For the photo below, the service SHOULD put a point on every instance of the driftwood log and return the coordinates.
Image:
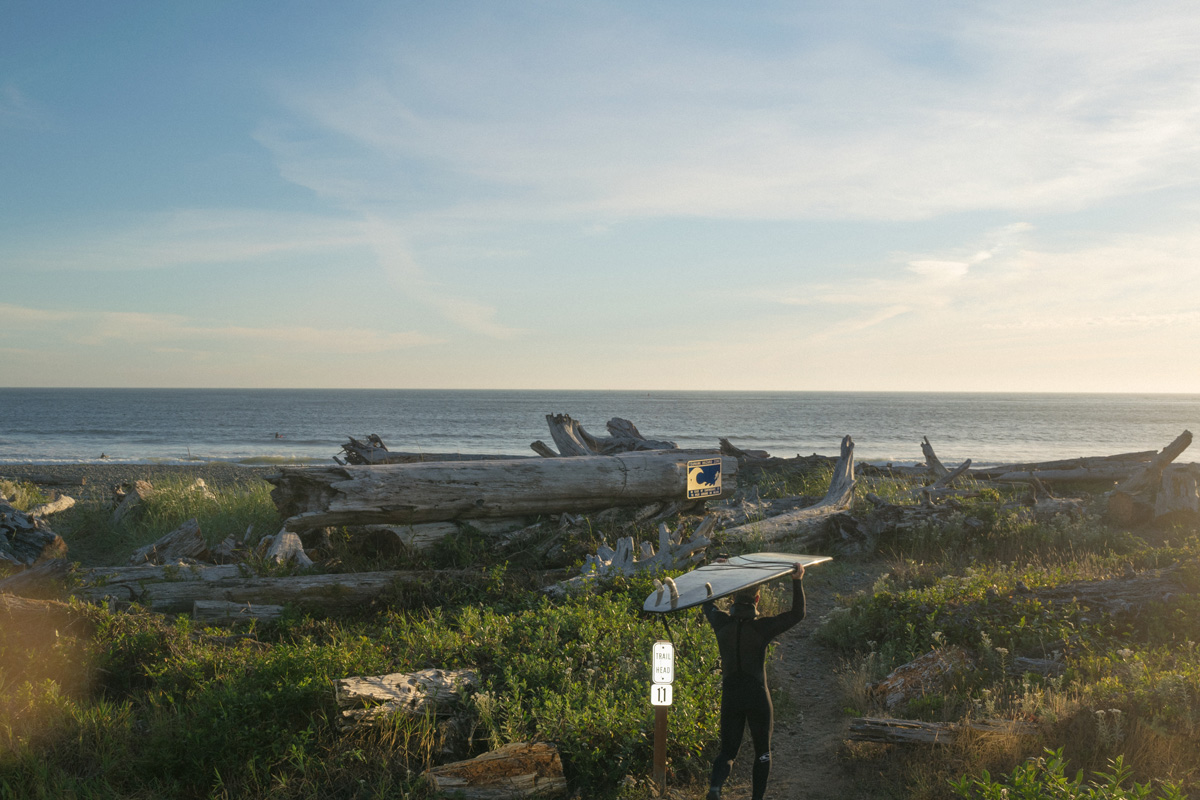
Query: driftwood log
(374, 451)
(175, 589)
(521, 769)
(925, 674)
(907, 731)
(807, 524)
(25, 539)
(402, 494)
(57, 503)
(183, 542)
(1096, 469)
(43, 580)
(1135, 499)
(1179, 493)
(26, 622)
(436, 692)
(224, 612)
(572, 440)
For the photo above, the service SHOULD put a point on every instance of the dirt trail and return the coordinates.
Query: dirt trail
(810, 722)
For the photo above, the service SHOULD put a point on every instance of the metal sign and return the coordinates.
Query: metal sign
(660, 694)
(703, 478)
(662, 663)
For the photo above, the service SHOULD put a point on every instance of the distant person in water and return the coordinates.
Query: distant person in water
(742, 638)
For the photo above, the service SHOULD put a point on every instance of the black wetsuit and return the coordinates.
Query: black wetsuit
(745, 698)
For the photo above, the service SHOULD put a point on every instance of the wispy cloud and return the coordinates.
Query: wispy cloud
(1041, 110)
(163, 332)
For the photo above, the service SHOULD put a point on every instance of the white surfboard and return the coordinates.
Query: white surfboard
(717, 580)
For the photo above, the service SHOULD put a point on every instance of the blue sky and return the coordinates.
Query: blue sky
(767, 196)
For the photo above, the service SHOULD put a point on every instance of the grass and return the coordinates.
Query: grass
(146, 706)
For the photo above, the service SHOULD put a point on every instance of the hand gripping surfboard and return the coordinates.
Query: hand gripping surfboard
(713, 581)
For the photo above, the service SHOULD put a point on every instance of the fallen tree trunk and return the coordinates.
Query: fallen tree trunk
(1096, 466)
(572, 440)
(25, 622)
(907, 731)
(516, 770)
(224, 612)
(1136, 498)
(1129, 593)
(436, 692)
(806, 524)
(60, 502)
(401, 494)
(183, 542)
(42, 581)
(374, 451)
(175, 590)
(26, 540)
(1179, 494)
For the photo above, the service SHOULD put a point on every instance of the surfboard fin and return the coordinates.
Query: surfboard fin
(658, 585)
(708, 588)
(674, 591)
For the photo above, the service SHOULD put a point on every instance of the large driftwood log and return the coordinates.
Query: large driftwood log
(374, 451)
(224, 612)
(183, 542)
(25, 622)
(175, 589)
(516, 770)
(907, 731)
(41, 581)
(59, 502)
(436, 692)
(1093, 468)
(1179, 493)
(1135, 499)
(401, 494)
(26, 540)
(1126, 594)
(572, 440)
(806, 524)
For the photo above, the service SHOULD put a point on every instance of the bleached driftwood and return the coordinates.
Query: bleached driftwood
(1135, 499)
(673, 553)
(1092, 468)
(183, 542)
(925, 674)
(520, 769)
(26, 540)
(60, 502)
(284, 548)
(436, 692)
(176, 588)
(572, 440)
(402, 494)
(807, 523)
(907, 731)
(427, 534)
(129, 499)
(224, 612)
(1179, 493)
(374, 451)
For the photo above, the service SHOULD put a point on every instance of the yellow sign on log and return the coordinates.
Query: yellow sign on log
(703, 478)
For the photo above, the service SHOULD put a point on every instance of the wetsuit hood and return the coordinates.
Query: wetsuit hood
(743, 611)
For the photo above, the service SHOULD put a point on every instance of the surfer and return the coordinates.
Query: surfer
(742, 638)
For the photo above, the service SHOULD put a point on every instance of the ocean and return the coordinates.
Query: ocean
(265, 426)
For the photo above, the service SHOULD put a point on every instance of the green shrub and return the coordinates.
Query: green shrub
(1044, 778)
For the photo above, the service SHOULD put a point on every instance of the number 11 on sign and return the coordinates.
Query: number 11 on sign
(660, 694)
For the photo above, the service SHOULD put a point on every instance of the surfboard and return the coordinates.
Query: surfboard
(717, 580)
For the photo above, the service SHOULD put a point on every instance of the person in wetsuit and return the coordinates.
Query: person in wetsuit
(742, 638)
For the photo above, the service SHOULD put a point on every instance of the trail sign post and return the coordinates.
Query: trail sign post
(662, 675)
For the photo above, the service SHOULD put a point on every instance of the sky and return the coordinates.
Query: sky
(987, 196)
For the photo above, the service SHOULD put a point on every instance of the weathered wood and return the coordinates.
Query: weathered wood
(285, 548)
(516, 770)
(925, 674)
(907, 731)
(41, 581)
(1126, 594)
(673, 553)
(932, 463)
(26, 622)
(223, 612)
(1135, 499)
(175, 589)
(26, 540)
(427, 534)
(374, 451)
(807, 523)
(572, 440)
(183, 542)
(436, 692)
(439, 492)
(1179, 493)
(131, 499)
(60, 502)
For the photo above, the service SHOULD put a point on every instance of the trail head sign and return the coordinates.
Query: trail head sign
(662, 663)
(703, 478)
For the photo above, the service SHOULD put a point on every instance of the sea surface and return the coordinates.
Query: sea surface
(264, 426)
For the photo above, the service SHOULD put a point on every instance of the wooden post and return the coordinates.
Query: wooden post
(660, 748)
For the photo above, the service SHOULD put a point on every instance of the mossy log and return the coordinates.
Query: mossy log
(403, 494)
(520, 769)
